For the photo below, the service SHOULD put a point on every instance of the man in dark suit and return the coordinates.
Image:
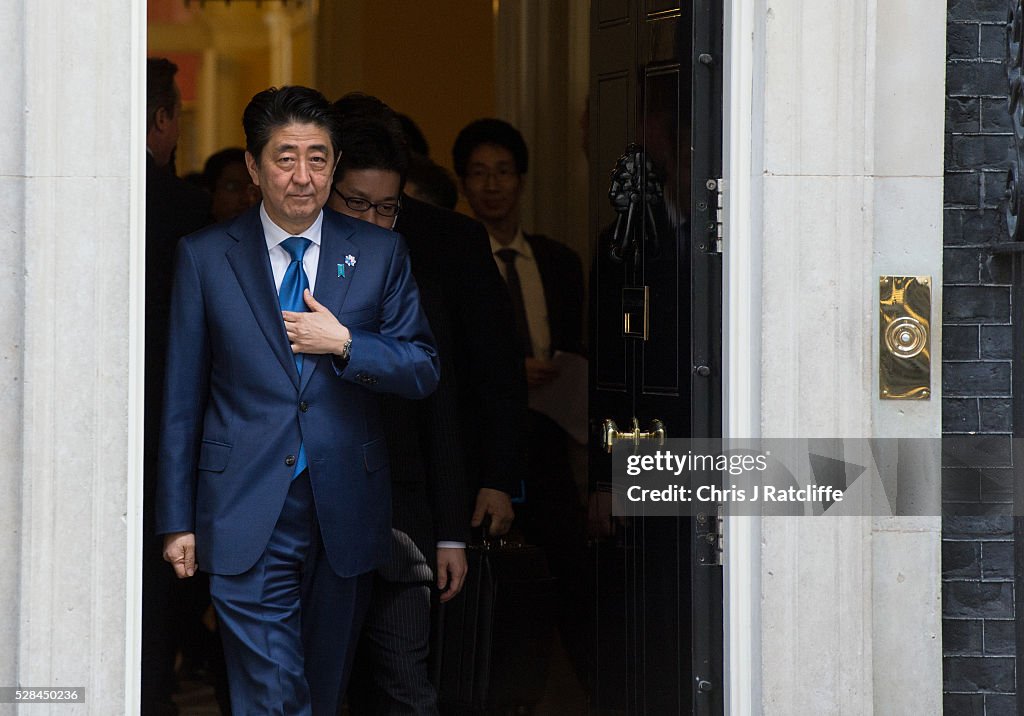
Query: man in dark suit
(491, 381)
(391, 672)
(273, 467)
(173, 208)
(545, 283)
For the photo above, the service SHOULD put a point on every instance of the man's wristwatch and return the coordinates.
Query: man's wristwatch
(346, 350)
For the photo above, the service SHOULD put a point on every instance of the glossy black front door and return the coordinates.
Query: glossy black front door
(655, 118)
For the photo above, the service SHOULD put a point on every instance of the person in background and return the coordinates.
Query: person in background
(429, 495)
(488, 366)
(450, 252)
(414, 137)
(430, 182)
(544, 279)
(227, 179)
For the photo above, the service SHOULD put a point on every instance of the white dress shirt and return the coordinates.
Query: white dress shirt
(533, 292)
(279, 256)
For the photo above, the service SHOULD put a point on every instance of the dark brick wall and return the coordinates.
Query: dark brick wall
(979, 632)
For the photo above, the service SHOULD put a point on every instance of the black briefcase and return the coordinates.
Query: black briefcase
(493, 639)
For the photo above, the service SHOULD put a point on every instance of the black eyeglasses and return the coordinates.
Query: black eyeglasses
(356, 203)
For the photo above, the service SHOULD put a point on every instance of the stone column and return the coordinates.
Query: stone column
(848, 110)
(12, 330)
(72, 129)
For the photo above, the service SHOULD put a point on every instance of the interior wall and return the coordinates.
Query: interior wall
(433, 61)
(444, 63)
(226, 53)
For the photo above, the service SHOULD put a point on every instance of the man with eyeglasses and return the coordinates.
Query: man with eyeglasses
(481, 388)
(358, 206)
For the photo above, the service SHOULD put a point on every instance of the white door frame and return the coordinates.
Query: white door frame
(137, 37)
(741, 290)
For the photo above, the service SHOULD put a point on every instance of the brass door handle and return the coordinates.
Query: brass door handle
(611, 433)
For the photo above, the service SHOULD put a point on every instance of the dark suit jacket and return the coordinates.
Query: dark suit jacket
(561, 274)
(454, 250)
(552, 516)
(236, 410)
(428, 473)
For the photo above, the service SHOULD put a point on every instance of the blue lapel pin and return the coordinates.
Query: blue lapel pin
(341, 270)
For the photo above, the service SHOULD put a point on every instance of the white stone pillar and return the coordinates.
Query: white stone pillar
(844, 184)
(12, 331)
(909, 122)
(73, 146)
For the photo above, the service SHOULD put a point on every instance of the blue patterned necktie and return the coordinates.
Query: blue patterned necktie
(293, 285)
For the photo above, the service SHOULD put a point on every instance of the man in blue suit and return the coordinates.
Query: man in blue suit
(273, 468)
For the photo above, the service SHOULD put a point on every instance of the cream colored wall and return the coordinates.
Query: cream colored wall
(448, 62)
(244, 48)
(444, 63)
(433, 61)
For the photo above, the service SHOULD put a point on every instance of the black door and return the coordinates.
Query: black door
(655, 117)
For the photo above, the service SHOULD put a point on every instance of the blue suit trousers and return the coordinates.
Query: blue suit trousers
(290, 624)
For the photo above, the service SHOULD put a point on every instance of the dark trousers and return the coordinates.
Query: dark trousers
(390, 675)
(553, 517)
(289, 624)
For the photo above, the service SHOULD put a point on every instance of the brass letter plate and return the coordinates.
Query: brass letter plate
(636, 312)
(904, 337)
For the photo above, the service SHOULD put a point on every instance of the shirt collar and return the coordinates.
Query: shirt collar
(275, 234)
(519, 243)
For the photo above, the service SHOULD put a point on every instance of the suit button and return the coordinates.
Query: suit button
(304, 406)
(290, 460)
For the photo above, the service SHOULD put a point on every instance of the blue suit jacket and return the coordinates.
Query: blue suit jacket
(235, 407)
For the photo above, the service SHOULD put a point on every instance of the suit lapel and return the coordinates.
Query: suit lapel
(250, 261)
(337, 254)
